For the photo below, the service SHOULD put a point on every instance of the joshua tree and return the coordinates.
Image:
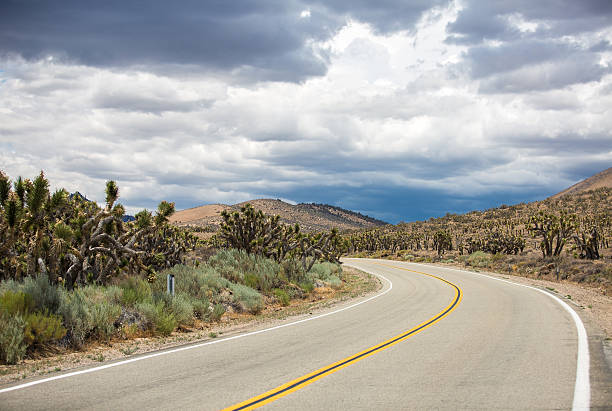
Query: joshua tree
(554, 229)
(74, 241)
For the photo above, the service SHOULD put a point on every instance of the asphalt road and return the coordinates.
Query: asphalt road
(482, 344)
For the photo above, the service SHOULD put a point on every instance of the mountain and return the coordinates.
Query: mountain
(311, 217)
(599, 180)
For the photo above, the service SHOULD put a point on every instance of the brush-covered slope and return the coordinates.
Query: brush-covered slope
(310, 217)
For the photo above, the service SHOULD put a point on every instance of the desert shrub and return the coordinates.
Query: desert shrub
(268, 273)
(158, 317)
(186, 279)
(321, 271)
(292, 270)
(148, 311)
(135, 290)
(213, 282)
(46, 296)
(104, 315)
(42, 328)
(479, 259)
(255, 271)
(76, 313)
(10, 285)
(282, 297)
(251, 280)
(324, 270)
(334, 281)
(200, 309)
(217, 312)
(12, 345)
(166, 322)
(113, 294)
(230, 264)
(247, 298)
(16, 303)
(307, 285)
(201, 282)
(182, 308)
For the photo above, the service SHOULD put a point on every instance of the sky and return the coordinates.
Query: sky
(402, 110)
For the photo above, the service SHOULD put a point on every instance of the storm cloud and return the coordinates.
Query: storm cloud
(401, 110)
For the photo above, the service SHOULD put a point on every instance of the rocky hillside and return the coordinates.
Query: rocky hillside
(311, 217)
(603, 179)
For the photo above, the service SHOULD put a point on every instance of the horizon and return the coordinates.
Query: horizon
(399, 112)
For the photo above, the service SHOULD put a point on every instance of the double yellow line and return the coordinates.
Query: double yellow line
(299, 383)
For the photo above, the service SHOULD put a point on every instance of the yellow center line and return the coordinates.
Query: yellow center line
(299, 383)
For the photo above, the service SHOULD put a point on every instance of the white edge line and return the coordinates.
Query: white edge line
(582, 388)
(190, 347)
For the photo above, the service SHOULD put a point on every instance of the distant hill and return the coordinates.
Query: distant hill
(311, 217)
(599, 180)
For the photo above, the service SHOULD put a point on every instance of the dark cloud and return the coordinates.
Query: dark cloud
(255, 40)
(147, 104)
(562, 146)
(384, 15)
(485, 60)
(220, 35)
(175, 102)
(530, 44)
(580, 68)
(394, 203)
(480, 20)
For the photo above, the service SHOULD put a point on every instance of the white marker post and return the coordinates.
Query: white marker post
(170, 284)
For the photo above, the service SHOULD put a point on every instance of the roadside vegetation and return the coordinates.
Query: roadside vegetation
(568, 238)
(74, 274)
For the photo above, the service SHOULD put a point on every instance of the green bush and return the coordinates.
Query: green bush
(282, 297)
(113, 294)
(200, 309)
(12, 345)
(292, 270)
(10, 285)
(46, 296)
(182, 309)
(166, 323)
(247, 298)
(307, 286)
(257, 272)
(201, 282)
(217, 312)
(325, 269)
(334, 281)
(230, 264)
(103, 317)
(135, 291)
(149, 312)
(479, 259)
(42, 328)
(76, 313)
(158, 317)
(251, 280)
(16, 303)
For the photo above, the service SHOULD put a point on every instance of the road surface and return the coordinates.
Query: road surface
(432, 338)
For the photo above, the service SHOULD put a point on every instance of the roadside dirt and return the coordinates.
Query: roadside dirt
(355, 284)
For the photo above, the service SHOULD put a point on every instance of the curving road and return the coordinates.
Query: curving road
(454, 340)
